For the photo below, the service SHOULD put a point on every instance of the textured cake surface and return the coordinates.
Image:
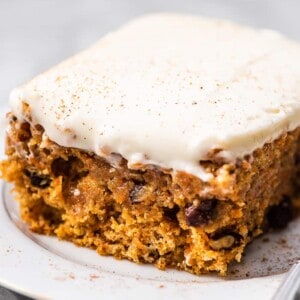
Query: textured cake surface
(173, 141)
(189, 84)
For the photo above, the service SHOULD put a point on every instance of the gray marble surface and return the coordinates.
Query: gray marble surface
(35, 34)
(6, 294)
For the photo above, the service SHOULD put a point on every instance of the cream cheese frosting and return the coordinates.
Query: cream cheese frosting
(167, 89)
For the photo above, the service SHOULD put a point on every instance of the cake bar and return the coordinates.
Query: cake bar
(172, 141)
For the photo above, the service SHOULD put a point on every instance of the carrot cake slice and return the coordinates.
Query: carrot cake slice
(173, 141)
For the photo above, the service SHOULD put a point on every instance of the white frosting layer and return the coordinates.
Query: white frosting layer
(166, 89)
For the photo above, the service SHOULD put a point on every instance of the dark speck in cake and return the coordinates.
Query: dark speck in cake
(279, 215)
(201, 214)
(37, 180)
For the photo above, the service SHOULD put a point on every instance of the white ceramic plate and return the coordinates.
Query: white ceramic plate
(43, 267)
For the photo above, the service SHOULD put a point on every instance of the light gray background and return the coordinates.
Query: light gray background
(35, 34)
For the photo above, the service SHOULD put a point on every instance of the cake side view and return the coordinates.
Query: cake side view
(172, 141)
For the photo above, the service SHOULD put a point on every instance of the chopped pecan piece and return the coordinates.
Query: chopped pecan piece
(225, 239)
